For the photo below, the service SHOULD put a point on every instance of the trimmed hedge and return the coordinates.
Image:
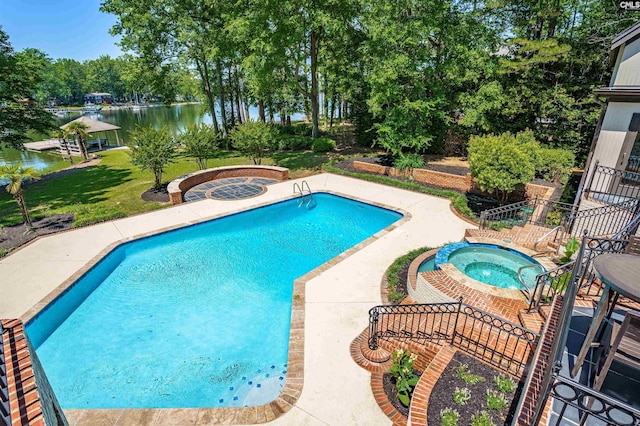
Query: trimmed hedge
(323, 145)
(458, 200)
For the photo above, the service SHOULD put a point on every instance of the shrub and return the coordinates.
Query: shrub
(504, 383)
(200, 142)
(449, 417)
(554, 164)
(253, 138)
(468, 377)
(294, 143)
(407, 162)
(495, 400)
(402, 369)
(153, 149)
(499, 163)
(323, 145)
(393, 273)
(461, 396)
(481, 419)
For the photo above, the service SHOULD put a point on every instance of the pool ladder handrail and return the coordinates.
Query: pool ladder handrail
(525, 288)
(305, 198)
(544, 237)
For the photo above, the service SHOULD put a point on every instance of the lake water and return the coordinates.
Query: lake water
(176, 117)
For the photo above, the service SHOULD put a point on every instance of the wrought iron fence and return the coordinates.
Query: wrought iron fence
(633, 165)
(580, 405)
(605, 220)
(499, 342)
(611, 186)
(536, 211)
(5, 411)
(549, 284)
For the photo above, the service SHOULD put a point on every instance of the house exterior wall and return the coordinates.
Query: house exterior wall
(612, 135)
(626, 71)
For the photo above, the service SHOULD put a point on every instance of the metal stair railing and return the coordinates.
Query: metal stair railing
(525, 287)
(549, 284)
(605, 220)
(501, 343)
(536, 211)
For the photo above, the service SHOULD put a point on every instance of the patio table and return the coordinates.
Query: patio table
(620, 274)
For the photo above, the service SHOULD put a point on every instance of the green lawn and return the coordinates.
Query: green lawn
(112, 188)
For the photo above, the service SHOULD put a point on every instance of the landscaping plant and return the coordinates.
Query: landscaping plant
(482, 419)
(199, 141)
(449, 417)
(461, 396)
(496, 400)
(15, 175)
(254, 139)
(402, 370)
(504, 383)
(153, 150)
(407, 162)
(468, 377)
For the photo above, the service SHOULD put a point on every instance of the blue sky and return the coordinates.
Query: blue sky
(61, 28)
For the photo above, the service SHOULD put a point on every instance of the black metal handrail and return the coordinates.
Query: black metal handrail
(589, 405)
(535, 211)
(501, 343)
(5, 410)
(610, 186)
(549, 284)
(605, 220)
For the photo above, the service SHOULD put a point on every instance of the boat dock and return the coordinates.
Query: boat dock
(40, 146)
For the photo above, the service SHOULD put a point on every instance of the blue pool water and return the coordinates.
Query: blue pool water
(490, 264)
(197, 317)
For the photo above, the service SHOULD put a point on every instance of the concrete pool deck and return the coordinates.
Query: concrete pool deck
(336, 390)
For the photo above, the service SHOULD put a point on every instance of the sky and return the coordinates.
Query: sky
(73, 29)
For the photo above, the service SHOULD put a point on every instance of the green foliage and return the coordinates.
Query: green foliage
(469, 378)
(505, 384)
(20, 75)
(396, 268)
(153, 150)
(407, 162)
(402, 369)
(199, 141)
(570, 248)
(461, 396)
(15, 175)
(554, 164)
(253, 138)
(323, 145)
(449, 417)
(499, 163)
(78, 130)
(458, 200)
(496, 400)
(294, 143)
(482, 419)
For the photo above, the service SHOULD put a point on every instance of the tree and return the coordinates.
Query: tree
(17, 174)
(499, 163)
(253, 138)
(19, 78)
(62, 136)
(153, 150)
(79, 131)
(200, 142)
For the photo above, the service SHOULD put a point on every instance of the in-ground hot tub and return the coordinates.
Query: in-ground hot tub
(491, 264)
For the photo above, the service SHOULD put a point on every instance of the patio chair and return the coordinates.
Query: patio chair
(625, 347)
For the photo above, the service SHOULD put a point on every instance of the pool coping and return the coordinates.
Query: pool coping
(295, 360)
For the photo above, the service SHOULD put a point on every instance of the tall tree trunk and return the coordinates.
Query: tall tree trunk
(340, 110)
(238, 94)
(325, 98)
(333, 107)
(261, 110)
(233, 115)
(223, 113)
(315, 105)
(203, 70)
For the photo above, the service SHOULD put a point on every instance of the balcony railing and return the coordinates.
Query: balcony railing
(5, 411)
(612, 186)
(536, 211)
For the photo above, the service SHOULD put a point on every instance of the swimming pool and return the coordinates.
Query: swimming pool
(197, 317)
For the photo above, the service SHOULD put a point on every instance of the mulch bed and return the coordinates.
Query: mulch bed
(442, 393)
(157, 195)
(389, 386)
(12, 237)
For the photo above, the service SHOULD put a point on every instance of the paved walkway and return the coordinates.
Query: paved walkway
(336, 390)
